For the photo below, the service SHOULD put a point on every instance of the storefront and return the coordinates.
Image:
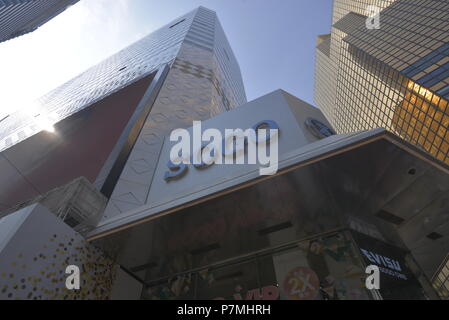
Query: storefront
(298, 235)
(335, 206)
(323, 268)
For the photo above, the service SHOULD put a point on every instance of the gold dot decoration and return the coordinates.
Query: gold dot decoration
(42, 276)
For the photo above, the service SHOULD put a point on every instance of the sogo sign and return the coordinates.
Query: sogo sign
(209, 148)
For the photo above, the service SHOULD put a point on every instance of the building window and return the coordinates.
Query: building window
(177, 23)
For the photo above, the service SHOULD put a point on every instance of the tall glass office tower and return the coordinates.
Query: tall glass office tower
(110, 120)
(396, 76)
(19, 17)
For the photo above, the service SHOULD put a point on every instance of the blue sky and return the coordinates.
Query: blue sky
(274, 41)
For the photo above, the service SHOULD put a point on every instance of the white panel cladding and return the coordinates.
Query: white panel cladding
(202, 83)
(34, 259)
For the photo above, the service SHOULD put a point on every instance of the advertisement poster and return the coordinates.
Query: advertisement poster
(396, 279)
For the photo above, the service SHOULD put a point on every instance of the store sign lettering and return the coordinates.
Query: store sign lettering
(386, 265)
(382, 260)
(210, 147)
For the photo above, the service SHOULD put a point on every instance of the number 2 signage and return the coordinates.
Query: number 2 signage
(301, 284)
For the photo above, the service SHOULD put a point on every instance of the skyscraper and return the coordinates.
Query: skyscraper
(104, 118)
(395, 76)
(19, 17)
(221, 231)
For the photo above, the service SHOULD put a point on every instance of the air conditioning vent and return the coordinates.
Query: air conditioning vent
(73, 217)
(275, 228)
(434, 236)
(144, 267)
(389, 217)
(177, 23)
(71, 221)
(205, 249)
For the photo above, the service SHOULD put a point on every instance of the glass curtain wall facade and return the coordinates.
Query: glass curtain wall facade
(201, 78)
(19, 17)
(193, 44)
(441, 280)
(396, 77)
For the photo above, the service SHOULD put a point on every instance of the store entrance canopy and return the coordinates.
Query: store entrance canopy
(371, 181)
